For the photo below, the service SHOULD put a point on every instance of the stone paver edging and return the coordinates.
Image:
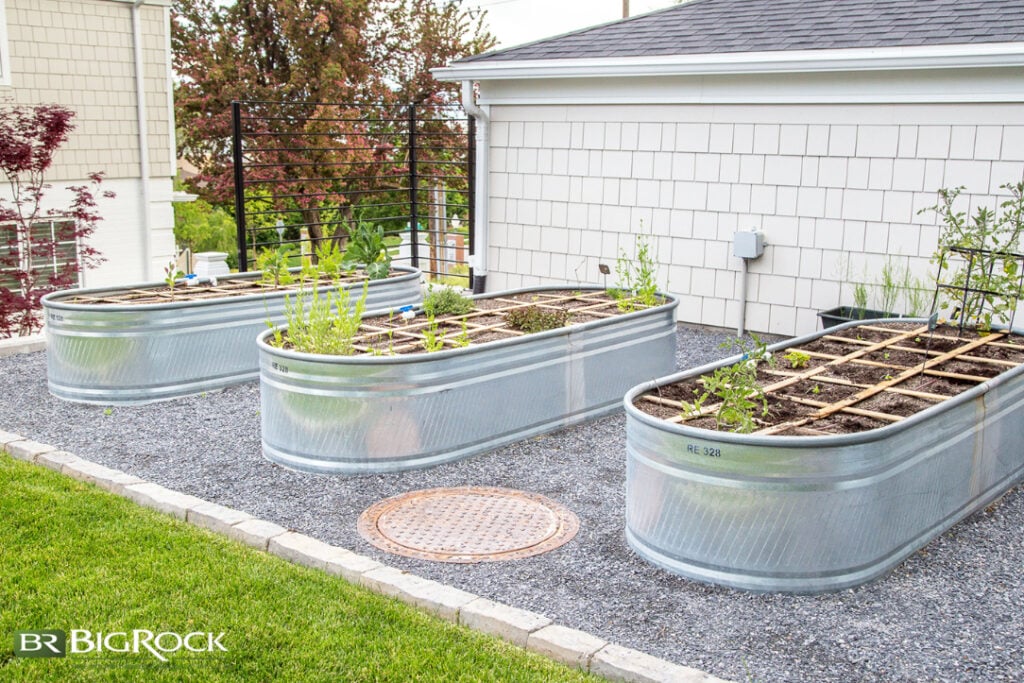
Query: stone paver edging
(528, 630)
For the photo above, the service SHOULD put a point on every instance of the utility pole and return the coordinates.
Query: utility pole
(625, 9)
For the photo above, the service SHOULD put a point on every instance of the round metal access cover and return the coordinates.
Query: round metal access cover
(468, 524)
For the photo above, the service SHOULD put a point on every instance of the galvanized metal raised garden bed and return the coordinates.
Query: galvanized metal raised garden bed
(123, 353)
(816, 513)
(365, 413)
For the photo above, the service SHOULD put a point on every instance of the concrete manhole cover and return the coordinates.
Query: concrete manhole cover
(468, 524)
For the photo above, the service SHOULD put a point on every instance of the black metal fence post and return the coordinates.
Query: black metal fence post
(414, 218)
(236, 156)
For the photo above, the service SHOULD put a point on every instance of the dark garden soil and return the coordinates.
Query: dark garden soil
(396, 335)
(860, 378)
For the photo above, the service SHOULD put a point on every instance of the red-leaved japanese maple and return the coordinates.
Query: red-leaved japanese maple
(29, 267)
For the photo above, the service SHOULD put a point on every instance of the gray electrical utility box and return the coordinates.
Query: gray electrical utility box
(748, 244)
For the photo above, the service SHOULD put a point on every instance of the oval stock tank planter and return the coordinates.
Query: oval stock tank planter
(797, 509)
(105, 351)
(383, 413)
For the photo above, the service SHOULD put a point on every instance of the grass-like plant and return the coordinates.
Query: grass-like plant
(123, 567)
(741, 399)
(446, 301)
(860, 300)
(322, 323)
(531, 319)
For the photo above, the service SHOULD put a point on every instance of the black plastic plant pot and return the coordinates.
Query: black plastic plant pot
(846, 314)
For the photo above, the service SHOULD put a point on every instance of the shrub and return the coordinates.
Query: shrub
(532, 319)
(31, 260)
(446, 301)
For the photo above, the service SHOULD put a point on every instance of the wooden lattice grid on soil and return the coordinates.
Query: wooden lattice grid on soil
(486, 322)
(226, 287)
(907, 359)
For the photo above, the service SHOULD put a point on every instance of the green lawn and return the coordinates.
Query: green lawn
(75, 557)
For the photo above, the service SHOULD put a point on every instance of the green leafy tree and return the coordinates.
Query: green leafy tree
(200, 226)
(374, 54)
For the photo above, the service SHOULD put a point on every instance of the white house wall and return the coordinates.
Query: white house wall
(81, 55)
(836, 190)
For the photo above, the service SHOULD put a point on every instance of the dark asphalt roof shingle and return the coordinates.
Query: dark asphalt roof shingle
(722, 26)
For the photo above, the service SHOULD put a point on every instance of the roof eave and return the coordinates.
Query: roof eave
(975, 55)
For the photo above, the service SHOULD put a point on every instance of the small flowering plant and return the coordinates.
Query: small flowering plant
(741, 400)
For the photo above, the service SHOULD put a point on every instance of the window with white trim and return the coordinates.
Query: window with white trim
(59, 231)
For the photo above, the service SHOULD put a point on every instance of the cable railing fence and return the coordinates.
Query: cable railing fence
(310, 173)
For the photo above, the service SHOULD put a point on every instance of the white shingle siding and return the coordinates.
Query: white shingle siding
(836, 190)
(80, 55)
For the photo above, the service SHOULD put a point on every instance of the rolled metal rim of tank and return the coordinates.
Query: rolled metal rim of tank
(671, 303)
(55, 299)
(805, 441)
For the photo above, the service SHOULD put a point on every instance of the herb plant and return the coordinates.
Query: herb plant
(274, 265)
(433, 338)
(741, 400)
(322, 324)
(171, 275)
(462, 340)
(532, 319)
(446, 301)
(797, 359)
(636, 286)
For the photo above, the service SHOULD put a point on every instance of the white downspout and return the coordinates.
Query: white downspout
(140, 97)
(741, 326)
(478, 261)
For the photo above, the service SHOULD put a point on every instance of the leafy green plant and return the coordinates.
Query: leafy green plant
(797, 359)
(367, 248)
(322, 324)
(531, 319)
(329, 260)
(446, 301)
(433, 338)
(984, 250)
(636, 285)
(741, 399)
(273, 263)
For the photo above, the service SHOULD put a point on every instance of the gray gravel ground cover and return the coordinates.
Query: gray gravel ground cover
(952, 612)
